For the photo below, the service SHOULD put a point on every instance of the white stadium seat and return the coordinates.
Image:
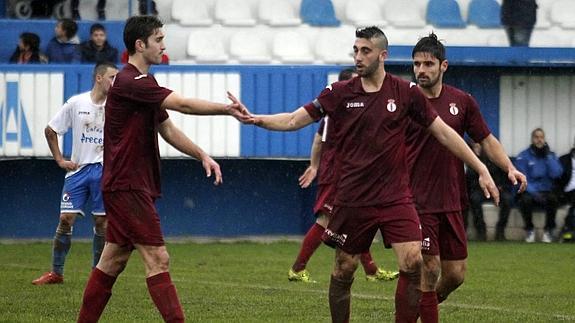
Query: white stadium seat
(335, 45)
(192, 13)
(563, 13)
(249, 47)
(363, 13)
(234, 13)
(291, 47)
(403, 14)
(206, 47)
(278, 13)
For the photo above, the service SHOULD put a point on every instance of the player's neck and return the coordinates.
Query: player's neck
(432, 92)
(140, 63)
(373, 82)
(97, 96)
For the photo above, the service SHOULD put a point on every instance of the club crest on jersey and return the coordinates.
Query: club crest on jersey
(65, 197)
(391, 106)
(355, 105)
(453, 109)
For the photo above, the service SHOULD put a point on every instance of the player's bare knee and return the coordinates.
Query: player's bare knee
(322, 220)
(66, 223)
(345, 265)
(412, 262)
(100, 225)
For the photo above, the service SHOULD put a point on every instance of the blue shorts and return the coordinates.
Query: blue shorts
(81, 186)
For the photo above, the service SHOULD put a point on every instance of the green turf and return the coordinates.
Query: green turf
(247, 282)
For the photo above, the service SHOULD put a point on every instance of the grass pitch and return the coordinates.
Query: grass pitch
(247, 282)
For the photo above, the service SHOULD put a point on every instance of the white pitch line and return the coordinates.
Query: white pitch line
(385, 298)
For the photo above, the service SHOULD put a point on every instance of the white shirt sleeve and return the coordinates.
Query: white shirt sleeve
(62, 121)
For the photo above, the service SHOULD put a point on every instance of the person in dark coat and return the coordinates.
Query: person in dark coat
(28, 50)
(518, 17)
(97, 49)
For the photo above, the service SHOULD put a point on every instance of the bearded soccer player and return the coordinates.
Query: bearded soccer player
(135, 114)
(321, 165)
(370, 115)
(84, 114)
(437, 177)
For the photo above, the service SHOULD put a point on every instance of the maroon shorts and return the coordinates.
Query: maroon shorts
(352, 229)
(324, 199)
(444, 235)
(132, 219)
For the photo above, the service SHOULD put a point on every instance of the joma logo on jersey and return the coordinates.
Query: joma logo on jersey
(355, 105)
(13, 125)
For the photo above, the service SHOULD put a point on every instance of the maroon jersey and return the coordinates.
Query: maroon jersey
(326, 162)
(133, 113)
(437, 177)
(370, 131)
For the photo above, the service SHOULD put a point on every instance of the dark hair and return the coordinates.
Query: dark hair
(372, 32)
(536, 130)
(102, 67)
(96, 27)
(69, 26)
(139, 27)
(32, 40)
(346, 74)
(431, 45)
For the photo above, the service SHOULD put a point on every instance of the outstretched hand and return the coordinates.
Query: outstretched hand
(307, 177)
(238, 110)
(489, 188)
(516, 177)
(210, 166)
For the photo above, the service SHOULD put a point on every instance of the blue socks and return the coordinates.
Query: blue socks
(62, 244)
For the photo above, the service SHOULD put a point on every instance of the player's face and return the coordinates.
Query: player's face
(367, 57)
(538, 139)
(154, 50)
(98, 37)
(428, 70)
(108, 79)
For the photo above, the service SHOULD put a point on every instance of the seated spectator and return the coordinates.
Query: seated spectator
(100, 7)
(63, 47)
(97, 49)
(28, 50)
(542, 168)
(124, 59)
(477, 198)
(567, 188)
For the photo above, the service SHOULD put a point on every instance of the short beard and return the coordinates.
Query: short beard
(369, 70)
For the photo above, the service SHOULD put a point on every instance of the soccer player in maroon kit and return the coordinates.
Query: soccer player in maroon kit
(437, 177)
(370, 115)
(135, 114)
(321, 161)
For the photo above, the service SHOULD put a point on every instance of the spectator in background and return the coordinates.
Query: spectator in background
(100, 7)
(542, 168)
(124, 59)
(567, 188)
(143, 8)
(97, 49)
(476, 197)
(28, 50)
(518, 17)
(63, 47)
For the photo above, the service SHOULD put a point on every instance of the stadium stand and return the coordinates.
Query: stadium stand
(292, 47)
(444, 14)
(562, 13)
(364, 13)
(234, 13)
(484, 13)
(332, 45)
(189, 13)
(206, 46)
(318, 13)
(278, 13)
(404, 14)
(249, 47)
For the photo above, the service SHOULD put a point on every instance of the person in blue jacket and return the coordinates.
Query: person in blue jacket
(542, 168)
(63, 47)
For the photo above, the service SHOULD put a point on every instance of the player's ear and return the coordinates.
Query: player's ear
(383, 55)
(444, 66)
(140, 45)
